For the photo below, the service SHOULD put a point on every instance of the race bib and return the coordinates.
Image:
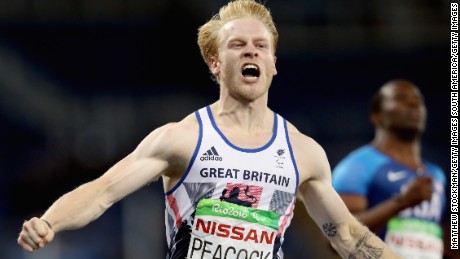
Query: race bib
(225, 230)
(415, 238)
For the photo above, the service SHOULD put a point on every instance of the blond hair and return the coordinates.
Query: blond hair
(208, 34)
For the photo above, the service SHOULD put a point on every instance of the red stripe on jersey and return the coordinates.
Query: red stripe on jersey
(286, 218)
(173, 204)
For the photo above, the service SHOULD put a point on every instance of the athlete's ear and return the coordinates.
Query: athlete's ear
(214, 66)
(275, 72)
(375, 119)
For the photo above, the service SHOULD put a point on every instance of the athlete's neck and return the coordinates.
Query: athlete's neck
(407, 153)
(254, 117)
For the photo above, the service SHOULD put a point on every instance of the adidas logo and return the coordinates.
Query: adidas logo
(211, 154)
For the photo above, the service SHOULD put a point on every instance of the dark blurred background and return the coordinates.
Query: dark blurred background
(83, 82)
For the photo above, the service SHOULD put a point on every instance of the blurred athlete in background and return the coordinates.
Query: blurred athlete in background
(387, 184)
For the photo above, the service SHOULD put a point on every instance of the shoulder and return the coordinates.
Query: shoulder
(310, 156)
(170, 140)
(355, 172)
(302, 143)
(364, 158)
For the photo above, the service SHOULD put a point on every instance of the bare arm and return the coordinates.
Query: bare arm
(375, 218)
(86, 203)
(349, 238)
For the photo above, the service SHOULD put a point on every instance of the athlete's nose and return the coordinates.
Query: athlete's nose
(250, 52)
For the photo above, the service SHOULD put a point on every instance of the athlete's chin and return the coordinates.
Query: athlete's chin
(248, 94)
(251, 96)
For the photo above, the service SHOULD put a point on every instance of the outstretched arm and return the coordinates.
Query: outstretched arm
(86, 203)
(349, 238)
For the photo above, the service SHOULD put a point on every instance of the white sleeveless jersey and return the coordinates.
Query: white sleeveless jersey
(264, 178)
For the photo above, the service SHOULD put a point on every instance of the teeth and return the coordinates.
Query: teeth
(249, 66)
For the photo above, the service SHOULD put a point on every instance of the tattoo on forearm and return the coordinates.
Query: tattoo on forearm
(329, 229)
(364, 250)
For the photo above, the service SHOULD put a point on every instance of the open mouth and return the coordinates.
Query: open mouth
(250, 70)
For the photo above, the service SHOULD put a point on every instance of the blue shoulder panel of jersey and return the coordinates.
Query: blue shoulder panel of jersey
(354, 173)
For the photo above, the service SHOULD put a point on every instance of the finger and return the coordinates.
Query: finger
(428, 191)
(24, 245)
(27, 242)
(30, 230)
(423, 181)
(41, 228)
(428, 196)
